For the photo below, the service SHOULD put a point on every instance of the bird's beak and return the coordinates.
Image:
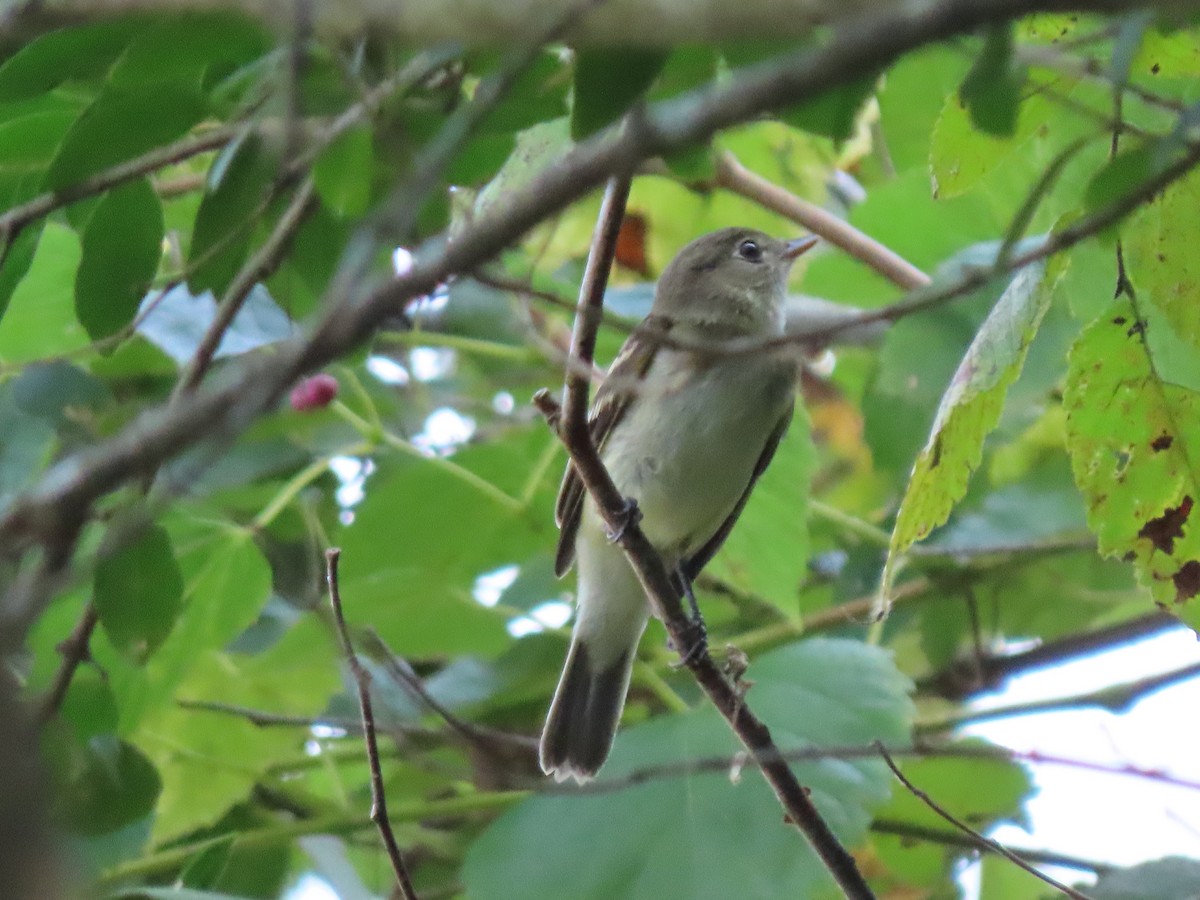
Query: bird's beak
(799, 246)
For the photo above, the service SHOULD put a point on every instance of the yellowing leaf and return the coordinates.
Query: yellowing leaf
(969, 410)
(1163, 254)
(1134, 440)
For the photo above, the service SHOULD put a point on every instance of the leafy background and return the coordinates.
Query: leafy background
(1015, 465)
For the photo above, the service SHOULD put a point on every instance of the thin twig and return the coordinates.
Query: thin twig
(261, 718)
(735, 177)
(1116, 698)
(954, 839)
(362, 678)
(16, 218)
(918, 750)
(402, 672)
(74, 652)
(265, 260)
(984, 843)
(648, 564)
(964, 677)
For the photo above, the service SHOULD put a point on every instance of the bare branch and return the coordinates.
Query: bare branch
(954, 839)
(965, 677)
(265, 260)
(74, 652)
(485, 22)
(735, 177)
(362, 678)
(984, 843)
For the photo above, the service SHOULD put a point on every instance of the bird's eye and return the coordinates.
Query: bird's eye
(749, 250)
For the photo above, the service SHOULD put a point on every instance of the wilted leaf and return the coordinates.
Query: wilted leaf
(970, 409)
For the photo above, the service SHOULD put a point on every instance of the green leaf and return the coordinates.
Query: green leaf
(1161, 260)
(26, 447)
(138, 593)
(992, 89)
(123, 123)
(27, 144)
(89, 704)
(111, 784)
(833, 113)
(210, 761)
(233, 203)
(629, 843)
(767, 552)
(1169, 878)
(40, 319)
(969, 410)
(64, 55)
(343, 173)
(415, 587)
(607, 82)
(961, 156)
(1134, 440)
(57, 390)
(538, 95)
(187, 46)
(122, 246)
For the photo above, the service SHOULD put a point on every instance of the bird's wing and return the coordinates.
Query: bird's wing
(612, 399)
(692, 565)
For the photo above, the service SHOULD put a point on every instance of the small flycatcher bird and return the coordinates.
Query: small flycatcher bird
(685, 435)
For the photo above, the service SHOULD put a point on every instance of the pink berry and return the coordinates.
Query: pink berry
(315, 392)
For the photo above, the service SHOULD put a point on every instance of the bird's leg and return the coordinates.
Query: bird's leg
(697, 630)
(630, 516)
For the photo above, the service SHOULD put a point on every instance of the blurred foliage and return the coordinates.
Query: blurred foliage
(208, 733)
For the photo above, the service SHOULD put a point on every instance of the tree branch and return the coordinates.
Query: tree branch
(1116, 698)
(362, 679)
(980, 841)
(954, 839)
(483, 22)
(969, 676)
(735, 177)
(265, 261)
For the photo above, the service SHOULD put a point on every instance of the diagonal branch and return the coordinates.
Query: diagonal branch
(362, 679)
(979, 840)
(735, 177)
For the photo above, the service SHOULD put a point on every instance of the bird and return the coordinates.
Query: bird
(685, 434)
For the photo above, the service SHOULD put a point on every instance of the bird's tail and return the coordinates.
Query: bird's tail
(583, 717)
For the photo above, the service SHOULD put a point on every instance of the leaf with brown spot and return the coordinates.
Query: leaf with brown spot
(1134, 441)
(1165, 529)
(1187, 581)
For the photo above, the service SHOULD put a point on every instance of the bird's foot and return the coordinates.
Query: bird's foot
(630, 515)
(695, 642)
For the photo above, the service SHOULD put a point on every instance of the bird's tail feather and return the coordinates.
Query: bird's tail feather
(583, 717)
